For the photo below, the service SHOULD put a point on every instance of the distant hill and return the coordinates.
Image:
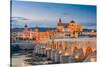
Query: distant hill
(88, 30)
(42, 29)
(16, 29)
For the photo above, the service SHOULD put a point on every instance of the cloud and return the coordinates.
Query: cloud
(18, 22)
(88, 23)
(20, 19)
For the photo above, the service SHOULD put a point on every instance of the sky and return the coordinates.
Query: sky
(47, 14)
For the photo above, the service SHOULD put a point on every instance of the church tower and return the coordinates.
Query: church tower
(25, 27)
(59, 21)
(60, 26)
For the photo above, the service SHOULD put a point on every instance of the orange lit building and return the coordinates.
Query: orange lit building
(69, 29)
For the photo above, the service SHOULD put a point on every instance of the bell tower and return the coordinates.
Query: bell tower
(59, 21)
(26, 27)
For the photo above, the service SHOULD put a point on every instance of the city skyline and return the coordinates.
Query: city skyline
(47, 14)
(52, 33)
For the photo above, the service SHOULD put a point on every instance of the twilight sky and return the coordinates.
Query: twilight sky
(47, 14)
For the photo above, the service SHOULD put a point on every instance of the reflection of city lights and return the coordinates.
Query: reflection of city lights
(66, 54)
(92, 59)
(60, 52)
(76, 57)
